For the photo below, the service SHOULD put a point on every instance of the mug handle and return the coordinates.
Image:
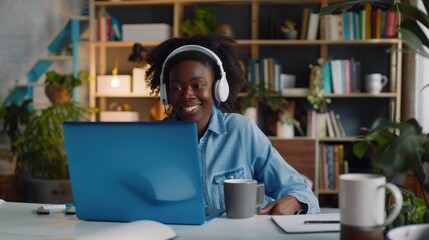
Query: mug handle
(397, 195)
(260, 194)
(383, 80)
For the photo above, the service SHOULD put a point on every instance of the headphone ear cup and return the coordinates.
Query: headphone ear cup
(221, 90)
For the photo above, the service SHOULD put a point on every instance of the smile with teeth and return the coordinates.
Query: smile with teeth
(190, 108)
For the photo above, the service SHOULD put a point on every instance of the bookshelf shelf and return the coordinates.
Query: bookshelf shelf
(128, 95)
(263, 42)
(338, 139)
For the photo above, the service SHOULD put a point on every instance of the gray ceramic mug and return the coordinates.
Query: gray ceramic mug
(242, 197)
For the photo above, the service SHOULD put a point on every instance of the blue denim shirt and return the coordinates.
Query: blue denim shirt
(234, 147)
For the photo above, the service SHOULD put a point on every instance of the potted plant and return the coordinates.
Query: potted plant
(259, 95)
(37, 144)
(289, 30)
(202, 21)
(59, 87)
(397, 148)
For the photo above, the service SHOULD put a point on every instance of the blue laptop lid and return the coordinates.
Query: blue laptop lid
(126, 171)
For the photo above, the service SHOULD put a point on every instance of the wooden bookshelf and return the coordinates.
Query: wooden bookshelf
(250, 19)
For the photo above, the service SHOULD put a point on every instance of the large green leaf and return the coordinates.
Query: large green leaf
(426, 4)
(415, 28)
(414, 13)
(411, 39)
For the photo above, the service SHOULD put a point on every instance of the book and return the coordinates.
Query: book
(329, 126)
(327, 79)
(334, 123)
(390, 23)
(296, 223)
(340, 126)
(313, 26)
(331, 166)
(368, 9)
(304, 23)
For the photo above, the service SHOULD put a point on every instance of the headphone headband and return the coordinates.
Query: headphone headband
(220, 94)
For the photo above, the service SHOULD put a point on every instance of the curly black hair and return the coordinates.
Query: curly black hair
(223, 46)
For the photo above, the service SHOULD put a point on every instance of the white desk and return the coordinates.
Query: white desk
(18, 221)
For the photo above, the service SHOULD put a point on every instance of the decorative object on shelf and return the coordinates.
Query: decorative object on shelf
(202, 21)
(119, 112)
(59, 87)
(286, 122)
(375, 82)
(158, 111)
(397, 148)
(258, 94)
(114, 84)
(289, 30)
(149, 32)
(226, 30)
(315, 94)
(139, 54)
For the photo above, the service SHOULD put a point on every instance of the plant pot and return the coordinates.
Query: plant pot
(252, 113)
(285, 130)
(54, 191)
(57, 94)
(7, 167)
(291, 34)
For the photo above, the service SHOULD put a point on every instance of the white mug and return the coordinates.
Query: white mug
(374, 82)
(362, 201)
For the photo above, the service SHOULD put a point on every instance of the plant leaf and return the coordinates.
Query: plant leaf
(342, 7)
(414, 13)
(360, 148)
(416, 30)
(413, 41)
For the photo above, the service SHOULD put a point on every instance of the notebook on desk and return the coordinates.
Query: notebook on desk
(127, 171)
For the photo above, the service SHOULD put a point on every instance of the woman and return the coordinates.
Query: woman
(199, 78)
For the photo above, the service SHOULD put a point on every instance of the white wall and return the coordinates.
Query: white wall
(26, 29)
(422, 79)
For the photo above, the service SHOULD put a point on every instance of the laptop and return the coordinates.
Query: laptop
(128, 171)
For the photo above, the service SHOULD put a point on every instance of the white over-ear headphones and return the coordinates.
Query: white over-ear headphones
(221, 87)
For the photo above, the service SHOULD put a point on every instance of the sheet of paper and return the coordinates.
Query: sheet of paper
(296, 223)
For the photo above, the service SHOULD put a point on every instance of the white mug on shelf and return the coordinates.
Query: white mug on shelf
(375, 82)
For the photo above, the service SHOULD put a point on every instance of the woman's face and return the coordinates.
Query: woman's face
(190, 92)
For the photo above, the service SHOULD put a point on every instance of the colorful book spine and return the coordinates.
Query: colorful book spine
(391, 22)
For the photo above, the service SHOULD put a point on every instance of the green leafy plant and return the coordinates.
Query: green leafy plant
(414, 209)
(68, 81)
(289, 25)
(40, 146)
(397, 148)
(202, 21)
(315, 90)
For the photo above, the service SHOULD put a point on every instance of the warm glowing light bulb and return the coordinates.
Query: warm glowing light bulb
(115, 82)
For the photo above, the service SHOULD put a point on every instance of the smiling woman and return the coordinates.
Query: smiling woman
(198, 79)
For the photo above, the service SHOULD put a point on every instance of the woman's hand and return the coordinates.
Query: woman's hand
(287, 205)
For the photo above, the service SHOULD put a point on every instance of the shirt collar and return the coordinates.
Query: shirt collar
(217, 123)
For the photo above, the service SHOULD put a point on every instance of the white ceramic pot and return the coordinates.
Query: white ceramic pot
(252, 113)
(285, 130)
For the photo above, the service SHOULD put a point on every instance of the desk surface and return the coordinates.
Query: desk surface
(19, 221)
